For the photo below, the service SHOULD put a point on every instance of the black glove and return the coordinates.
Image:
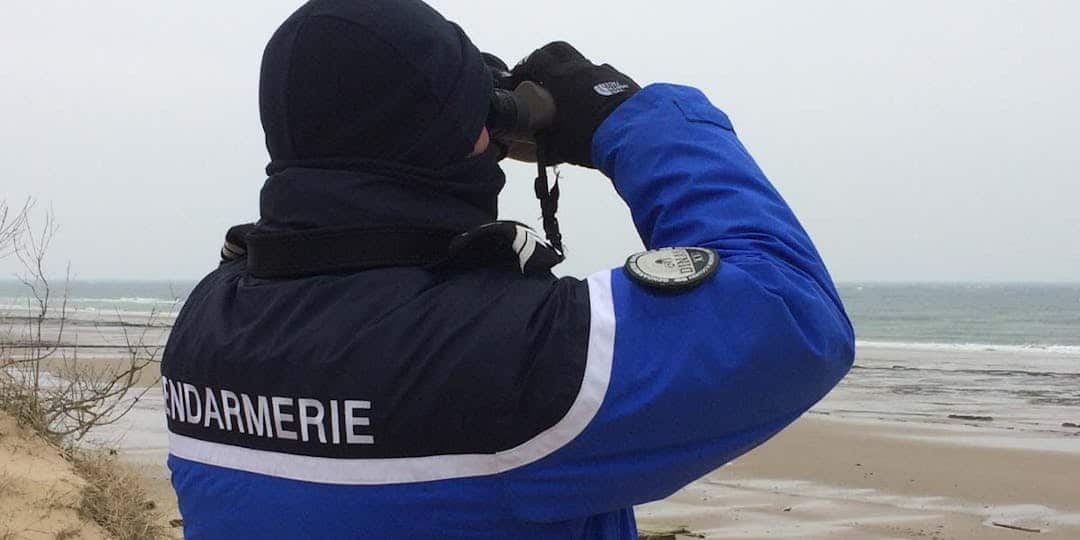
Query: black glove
(585, 95)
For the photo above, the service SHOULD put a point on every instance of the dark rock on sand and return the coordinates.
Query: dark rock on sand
(972, 418)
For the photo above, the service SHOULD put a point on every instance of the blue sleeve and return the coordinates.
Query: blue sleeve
(691, 380)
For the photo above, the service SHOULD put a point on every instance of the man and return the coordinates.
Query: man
(378, 358)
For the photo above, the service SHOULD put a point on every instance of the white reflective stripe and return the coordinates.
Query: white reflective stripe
(520, 236)
(524, 245)
(428, 469)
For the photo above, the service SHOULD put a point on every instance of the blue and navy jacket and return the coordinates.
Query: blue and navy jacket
(487, 404)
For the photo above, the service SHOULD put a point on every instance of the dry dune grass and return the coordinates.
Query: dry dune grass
(115, 499)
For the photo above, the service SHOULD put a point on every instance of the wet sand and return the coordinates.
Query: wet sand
(1023, 389)
(843, 478)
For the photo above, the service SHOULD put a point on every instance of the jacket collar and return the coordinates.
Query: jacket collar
(365, 193)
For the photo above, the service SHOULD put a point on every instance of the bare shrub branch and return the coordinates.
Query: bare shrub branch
(11, 226)
(45, 381)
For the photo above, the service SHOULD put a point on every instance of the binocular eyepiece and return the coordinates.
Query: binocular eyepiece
(516, 112)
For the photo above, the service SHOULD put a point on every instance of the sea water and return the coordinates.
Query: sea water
(973, 316)
(104, 297)
(995, 355)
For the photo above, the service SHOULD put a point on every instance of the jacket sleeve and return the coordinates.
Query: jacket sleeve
(685, 382)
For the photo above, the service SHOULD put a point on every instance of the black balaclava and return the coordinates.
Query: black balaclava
(386, 80)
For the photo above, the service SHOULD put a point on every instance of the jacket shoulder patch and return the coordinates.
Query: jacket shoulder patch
(676, 268)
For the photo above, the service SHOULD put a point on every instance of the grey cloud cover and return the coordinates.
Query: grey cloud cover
(916, 140)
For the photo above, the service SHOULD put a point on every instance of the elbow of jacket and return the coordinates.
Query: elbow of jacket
(803, 343)
(811, 321)
(830, 343)
(813, 345)
(840, 355)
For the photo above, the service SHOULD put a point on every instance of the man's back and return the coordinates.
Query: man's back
(448, 385)
(484, 403)
(366, 384)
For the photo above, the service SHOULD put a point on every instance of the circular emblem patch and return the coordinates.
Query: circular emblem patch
(673, 268)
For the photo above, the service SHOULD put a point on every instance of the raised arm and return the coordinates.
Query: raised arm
(691, 378)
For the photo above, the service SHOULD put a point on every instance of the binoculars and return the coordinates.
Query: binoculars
(517, 112)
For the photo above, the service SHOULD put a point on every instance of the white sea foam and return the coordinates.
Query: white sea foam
(100, 307)
(125, 300)
(972, 347)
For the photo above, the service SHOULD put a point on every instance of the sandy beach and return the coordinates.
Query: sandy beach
(830, 478)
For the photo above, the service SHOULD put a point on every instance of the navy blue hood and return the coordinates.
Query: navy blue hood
(388, 80)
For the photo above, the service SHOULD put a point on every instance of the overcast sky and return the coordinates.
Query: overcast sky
(916, 140)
